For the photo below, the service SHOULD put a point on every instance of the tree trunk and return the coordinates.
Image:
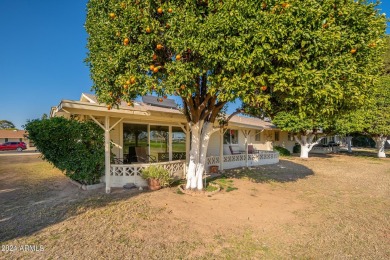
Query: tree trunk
(349, 143)
(380, 144)
(201, 134)
(306, 143)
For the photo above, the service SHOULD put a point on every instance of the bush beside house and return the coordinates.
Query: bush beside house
(74, 147)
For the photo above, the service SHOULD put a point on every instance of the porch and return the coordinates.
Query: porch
(120, 174)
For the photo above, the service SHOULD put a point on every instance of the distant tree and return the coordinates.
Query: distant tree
(327, 56)
(5, 124)
(379, 116)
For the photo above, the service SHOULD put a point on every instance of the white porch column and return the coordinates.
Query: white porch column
(107, 153)
(221, 133)
(170, 142)
(148, 129)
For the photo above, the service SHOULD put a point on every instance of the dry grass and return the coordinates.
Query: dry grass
(325, 207)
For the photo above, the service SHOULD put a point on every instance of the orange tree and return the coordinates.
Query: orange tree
(210, 53)
(325, 63)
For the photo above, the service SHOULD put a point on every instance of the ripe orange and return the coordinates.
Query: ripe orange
(183, 87)
(154, 57)
(112, 15)
(353, 51)
(109, 107)
(167, 26)
(126, 41)
(155, 70)
(132, 80)
(170, 10)
(151, 67)
(159, 10)
(123, 5)
(148, 30)
(126, 86)
(129, 104)
(263, 88)
(127, 82)
(178, 57)
(159, 46)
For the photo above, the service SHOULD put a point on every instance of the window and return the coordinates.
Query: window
(20, 140)
(5, 139)
(290, 136)
(258, 136)
(230, 137)
(276, 135)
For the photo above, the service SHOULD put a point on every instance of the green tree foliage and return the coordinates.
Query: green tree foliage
(77, 148)
(387, 56)
(5, 124)
(378, 115)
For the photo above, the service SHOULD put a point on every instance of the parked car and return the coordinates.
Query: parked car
(18, 146)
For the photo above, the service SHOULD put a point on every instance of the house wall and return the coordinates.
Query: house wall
(266, 142)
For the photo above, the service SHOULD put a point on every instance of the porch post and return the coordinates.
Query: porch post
(170, 142)
(107, 153)
(221, 132)
(148, 129)
(246, 150)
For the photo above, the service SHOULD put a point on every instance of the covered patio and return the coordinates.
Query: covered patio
(144, 135)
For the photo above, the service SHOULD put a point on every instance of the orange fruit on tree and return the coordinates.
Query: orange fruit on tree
(132, 80)
(183, 87)
(108, 107)
(151, 67)
(112, 15)
(155, 70)
(129, 104)
(154, 56)
(353, 51)
(170, 10)
(127, 82)
(123, 5)
(263, 88)
(178, 57)
(263, 6)
(126, 86)
(159, 46)
(126, 41)
(148, 30)
(159, 10)
(167, 26)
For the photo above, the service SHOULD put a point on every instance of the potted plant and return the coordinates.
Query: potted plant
(157, 177)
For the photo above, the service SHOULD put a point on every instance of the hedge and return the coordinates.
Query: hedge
(74, 147)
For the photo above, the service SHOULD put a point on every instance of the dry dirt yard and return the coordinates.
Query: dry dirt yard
(326, 207)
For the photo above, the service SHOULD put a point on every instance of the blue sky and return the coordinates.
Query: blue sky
(42, 52)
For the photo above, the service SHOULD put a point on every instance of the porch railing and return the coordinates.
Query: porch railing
(131, 173)
(239, 160)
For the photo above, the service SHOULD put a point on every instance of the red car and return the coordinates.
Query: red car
(18, 146)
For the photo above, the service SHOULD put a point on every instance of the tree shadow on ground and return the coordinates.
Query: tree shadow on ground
(284, 171)
(29, 204)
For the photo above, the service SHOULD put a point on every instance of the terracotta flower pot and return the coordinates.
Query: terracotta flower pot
(154, 184)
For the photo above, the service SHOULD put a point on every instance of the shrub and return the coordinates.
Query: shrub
(297, 148)
(158, 173)
(74, 147)
(282, 151)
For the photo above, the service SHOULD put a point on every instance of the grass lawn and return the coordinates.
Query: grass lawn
(325, 207)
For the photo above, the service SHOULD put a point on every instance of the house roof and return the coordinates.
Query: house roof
(89, 101)
(12, 133)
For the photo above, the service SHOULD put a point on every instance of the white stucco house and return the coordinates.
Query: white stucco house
(157, 133)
